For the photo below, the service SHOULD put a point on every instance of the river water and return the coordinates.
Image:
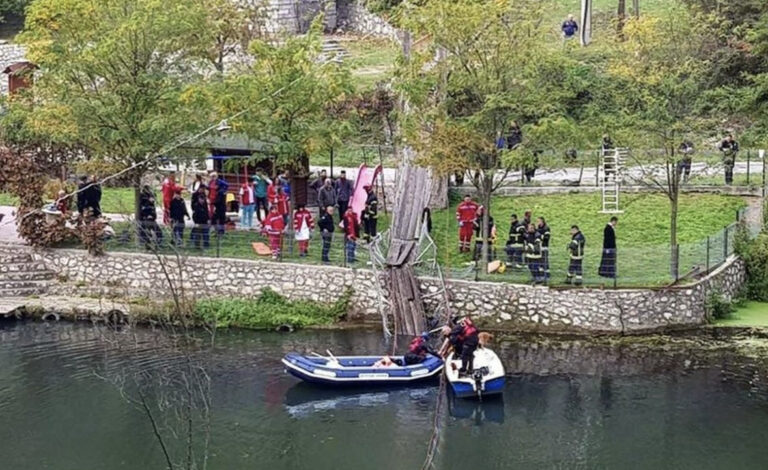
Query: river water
(569, 405)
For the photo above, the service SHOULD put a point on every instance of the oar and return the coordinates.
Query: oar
(330, 354)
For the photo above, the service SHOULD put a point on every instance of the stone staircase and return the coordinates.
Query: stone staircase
(21, 275)
(332, 50)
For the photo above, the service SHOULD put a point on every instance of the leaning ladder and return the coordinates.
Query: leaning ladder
(612, 163)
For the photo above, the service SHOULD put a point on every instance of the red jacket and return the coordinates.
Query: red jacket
(246, 195)
(212, 191)
(272, 193)
(273, 224)
(300, 216)
(466, 212)
(169, 189)
(350, 224)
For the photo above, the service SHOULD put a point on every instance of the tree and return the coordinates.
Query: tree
(294, 95)
(114, 75)
(496, 66)
(12, 7)
(232, 25)
(658, 78)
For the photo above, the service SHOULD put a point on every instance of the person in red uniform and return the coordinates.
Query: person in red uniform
(303, 224)
(418, 350)
(351, 227)
(464, 339)
(273, 226)
(466, 214)
(169, 190)
(213, 192)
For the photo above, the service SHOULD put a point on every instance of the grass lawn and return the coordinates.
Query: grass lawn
(642, 236)
(371, 59)
(751, 314)
(642, 233)
(113, 200)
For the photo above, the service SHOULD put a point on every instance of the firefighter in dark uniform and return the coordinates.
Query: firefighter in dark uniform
(370, 215)
(576, 250)
(533, 254)
(516, 242)
(543, 229)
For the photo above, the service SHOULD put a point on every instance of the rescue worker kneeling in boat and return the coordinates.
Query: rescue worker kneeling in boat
(417, 353)
(464, 339)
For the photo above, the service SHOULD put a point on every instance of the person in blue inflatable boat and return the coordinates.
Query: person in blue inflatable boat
(417, 353)
(464, 339)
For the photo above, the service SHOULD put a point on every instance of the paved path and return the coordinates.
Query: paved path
(572, 174)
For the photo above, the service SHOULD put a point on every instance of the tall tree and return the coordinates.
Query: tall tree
(658, 78)
(294, 94)
(497, 66)
(114, 72)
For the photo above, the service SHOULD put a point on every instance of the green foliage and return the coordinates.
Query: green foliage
(297, 95)
(114, 76)
(718, 307)
(270, 310)
(755, 255)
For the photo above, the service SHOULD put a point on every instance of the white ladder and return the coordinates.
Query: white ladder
(611, 165)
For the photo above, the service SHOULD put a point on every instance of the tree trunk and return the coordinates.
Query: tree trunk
(485, 194)
(137, 197)
(438, 198)
(636, 8)
(674, 261)
(622, 15)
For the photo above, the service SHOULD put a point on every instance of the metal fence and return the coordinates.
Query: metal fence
(636, 266)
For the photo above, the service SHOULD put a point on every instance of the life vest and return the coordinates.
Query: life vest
(468, 330)
(417, 346)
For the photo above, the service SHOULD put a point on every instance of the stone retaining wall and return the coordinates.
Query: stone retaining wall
(353, 17)
(500, 305)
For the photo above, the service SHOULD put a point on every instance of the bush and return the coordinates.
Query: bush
(755, 255)
(718, 307)
(270, 310)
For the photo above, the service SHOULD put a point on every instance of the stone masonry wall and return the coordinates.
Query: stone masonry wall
(9, 54)
(497, 305)
(353, 17)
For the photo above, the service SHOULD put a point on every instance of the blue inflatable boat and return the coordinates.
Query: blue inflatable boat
(359, 370)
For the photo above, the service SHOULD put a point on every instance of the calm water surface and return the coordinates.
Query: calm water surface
(572, 406)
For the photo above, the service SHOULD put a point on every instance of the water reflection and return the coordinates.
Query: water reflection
(569, 404)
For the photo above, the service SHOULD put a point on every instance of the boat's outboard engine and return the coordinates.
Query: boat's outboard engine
(477, 376)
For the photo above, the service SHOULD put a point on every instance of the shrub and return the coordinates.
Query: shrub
(755, 255)
(718, 307)
(270, 310)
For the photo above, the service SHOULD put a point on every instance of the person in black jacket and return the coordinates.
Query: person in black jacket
(200, 216)
(149, 232)
(533, 255)
(516, 242)
(608, 261)
(576, 251)
(370, 214)
(326, 230)
(82, 202)
(178, 213)
(729, 149)
(543, 229)
(93, 197)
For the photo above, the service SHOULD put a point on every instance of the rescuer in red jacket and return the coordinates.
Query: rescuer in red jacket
(466, 214)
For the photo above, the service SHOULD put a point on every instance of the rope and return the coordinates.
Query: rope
(434, 440)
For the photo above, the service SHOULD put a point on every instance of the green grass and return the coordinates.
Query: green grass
(113, 200)
(351, 156)
(372, 60)
(642, 233)
(8, 200)
(751, 314)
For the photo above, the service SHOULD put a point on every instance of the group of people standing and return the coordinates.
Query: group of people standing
(528, 243)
